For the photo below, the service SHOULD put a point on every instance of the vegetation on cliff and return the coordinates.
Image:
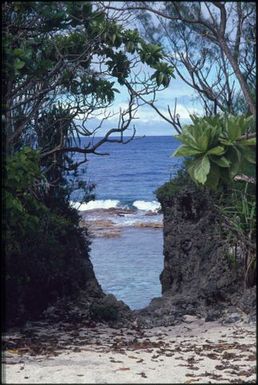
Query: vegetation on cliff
(220, 157)
(221, 152)
(212, 47)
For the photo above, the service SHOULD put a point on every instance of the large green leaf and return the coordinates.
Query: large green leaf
(186, 151)
(213, 177)
(202, 140)
(188, 139)
(249, 142)
(201, 169)
(225, 141)
(218, 150)
(222, 162)
(234, 155)
(245, 123)
(233, 128)
(249, 155)
(190, 169)
(19, 64)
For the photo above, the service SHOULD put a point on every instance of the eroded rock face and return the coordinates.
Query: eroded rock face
(199, 277)
(196, 260)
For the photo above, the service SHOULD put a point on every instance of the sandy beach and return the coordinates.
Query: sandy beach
(194, 351)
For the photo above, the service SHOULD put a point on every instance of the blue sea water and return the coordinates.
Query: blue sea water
(132, 171)
(129, 266)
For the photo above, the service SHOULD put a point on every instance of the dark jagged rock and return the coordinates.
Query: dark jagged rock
(91, 305)
(199, 277)
(109, 309)
(196, 260)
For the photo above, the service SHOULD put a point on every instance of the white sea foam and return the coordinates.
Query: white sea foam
(153, 206)
(147, 205)
(97, 204)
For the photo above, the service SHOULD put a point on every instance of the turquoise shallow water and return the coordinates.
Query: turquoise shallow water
(129, 266)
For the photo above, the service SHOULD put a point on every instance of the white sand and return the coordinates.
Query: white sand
(194, 352)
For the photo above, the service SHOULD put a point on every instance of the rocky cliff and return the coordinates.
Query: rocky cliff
(196, 260)
(202, 275)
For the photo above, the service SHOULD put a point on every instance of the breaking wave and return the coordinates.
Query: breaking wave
(97, 204)
(141, 205)
(147, 205)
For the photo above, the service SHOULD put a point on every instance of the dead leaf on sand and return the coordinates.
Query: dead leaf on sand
(220, 367)
(116, 361)
(142, 374)
(212, 356)
(228, 355)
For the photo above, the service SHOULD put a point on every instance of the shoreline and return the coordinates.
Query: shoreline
(109, 223)
(185, 348)
(193, 351)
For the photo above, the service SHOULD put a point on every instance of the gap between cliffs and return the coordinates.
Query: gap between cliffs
(198, 278)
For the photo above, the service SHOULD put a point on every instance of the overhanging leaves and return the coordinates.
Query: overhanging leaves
(200, 169)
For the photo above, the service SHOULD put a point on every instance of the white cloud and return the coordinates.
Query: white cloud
(148, 114)
(144, 114)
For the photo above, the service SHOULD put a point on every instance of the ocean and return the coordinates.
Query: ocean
(128, 260)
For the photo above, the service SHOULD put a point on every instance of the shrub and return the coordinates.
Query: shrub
(46, 251)
(217, 148)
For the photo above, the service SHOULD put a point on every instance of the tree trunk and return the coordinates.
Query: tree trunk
(239, 76)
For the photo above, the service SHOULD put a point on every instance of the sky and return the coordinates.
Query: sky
(148, 122)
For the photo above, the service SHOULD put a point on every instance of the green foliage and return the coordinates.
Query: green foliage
(239, 205)
(22, 207)
(50, 78)
(217, 149)
(163, 74)
(22, 169)
(150, 53)
(45, 249)
(238, 209)
(131, 40)
(36, 55)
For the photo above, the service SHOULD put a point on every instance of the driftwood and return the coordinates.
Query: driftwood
(245, 178)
